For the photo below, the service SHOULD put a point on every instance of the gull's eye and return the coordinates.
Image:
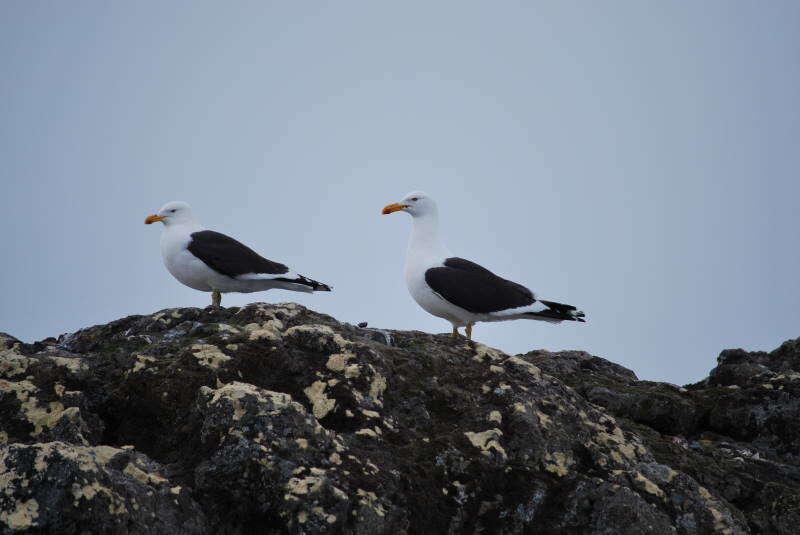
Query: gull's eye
(173, 210)
(415, 198)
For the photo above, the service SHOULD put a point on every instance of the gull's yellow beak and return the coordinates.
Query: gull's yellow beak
(153, 219)
(394, 207)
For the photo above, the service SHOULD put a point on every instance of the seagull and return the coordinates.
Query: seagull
(212, 262)
(461, 291)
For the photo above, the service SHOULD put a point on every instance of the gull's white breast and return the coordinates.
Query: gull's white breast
(425, 297)
(182, 264)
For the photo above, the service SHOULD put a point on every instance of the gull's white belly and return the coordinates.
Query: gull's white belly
(430, 301)
(186, 267)
(189, 270)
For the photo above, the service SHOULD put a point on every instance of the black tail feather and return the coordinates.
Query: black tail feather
(560, 311)
(305, 281)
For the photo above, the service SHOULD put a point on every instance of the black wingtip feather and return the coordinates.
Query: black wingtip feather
(562, 312)
(305, 281)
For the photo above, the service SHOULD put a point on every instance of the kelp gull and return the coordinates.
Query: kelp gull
(460, 291)
(212, 262)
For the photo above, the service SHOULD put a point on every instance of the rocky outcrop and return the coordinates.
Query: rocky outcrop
(277, 419)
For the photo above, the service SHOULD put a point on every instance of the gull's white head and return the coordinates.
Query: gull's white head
(416, 203)
(172, 213)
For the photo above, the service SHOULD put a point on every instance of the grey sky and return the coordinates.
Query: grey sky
(638, 159)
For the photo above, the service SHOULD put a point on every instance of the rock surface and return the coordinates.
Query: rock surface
(277, 419)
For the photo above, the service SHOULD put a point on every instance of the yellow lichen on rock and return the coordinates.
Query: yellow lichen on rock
(527, 366)
(235, 391)
(209, 356)
(72, 364)
(12, 362)
(377, 387)
(557, 463)
(487, 440)
(141, 363)
(370, 499)
(268, 330)
(142, 476)
(321, 330)
(648, 485)
(321, 403)
(24, 515)
(338, 361)
(306, 485)
(483, 352)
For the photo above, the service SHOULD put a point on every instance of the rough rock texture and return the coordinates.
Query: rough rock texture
(277, 419)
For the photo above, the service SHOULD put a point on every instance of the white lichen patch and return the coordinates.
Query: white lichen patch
(302, 443)
(496, 369)
(209, 356)
(487, 440)
(354, 370)
(321, 403)
(495, 416)
(367, 432)
(370, 414)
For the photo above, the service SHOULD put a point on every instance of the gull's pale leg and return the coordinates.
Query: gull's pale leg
(455, 331)
(216, 298)
(468, 329)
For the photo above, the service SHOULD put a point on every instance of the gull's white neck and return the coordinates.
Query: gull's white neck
(184, 226)
(425, 241)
